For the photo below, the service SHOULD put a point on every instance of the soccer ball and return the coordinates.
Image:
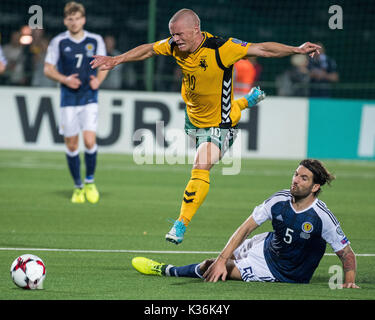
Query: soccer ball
(28, 272)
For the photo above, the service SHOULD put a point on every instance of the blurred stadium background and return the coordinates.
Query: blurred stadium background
(133, 22)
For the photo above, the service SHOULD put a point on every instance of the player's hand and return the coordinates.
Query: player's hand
(350, 285)
(216, 271)
(103, 62)
(309, 48)
(72, 81)
(94, 82)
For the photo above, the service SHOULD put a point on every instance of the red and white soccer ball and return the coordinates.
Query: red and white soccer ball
(28, 271)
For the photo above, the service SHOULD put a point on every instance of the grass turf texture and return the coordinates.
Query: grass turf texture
(136, 201)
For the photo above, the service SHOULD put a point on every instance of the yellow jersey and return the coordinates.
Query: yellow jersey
(207, 86)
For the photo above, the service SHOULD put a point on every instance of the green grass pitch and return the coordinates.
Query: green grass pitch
(136, 202)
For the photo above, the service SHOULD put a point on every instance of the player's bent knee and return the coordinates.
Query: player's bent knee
(233, 272)
(206, 264)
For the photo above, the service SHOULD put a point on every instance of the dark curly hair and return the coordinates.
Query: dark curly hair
(320, 174)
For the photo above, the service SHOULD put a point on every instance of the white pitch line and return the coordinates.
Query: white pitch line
(106, 251)
(143, 251)
(36, 164)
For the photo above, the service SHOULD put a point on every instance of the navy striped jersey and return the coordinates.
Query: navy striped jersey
(73, 56)
(298, 242)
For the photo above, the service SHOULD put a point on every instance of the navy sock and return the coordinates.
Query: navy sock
(191, 271)
(90, 161)
(74, 164)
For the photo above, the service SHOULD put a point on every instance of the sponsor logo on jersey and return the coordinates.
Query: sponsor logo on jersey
(240, 42)
(307, 227)
(304, 235)
(279, 217)
(345, 240)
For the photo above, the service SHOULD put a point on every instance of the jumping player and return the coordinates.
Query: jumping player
(212, 114)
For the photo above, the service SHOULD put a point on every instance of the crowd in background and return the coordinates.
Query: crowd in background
(22, 63)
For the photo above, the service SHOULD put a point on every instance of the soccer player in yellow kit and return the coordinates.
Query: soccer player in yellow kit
(211, 112)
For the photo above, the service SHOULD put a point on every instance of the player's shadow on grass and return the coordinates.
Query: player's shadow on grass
(187, 282)
(67, 194)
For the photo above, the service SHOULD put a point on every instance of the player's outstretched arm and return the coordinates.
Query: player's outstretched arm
(139, 53)
(349, 266)
(217, 269)
(278, 50)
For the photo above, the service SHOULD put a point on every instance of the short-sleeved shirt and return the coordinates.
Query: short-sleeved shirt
(297, 244)
(74, 56)
(207, 78)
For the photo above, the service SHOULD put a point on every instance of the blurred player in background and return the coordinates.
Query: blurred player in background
(212, 114)
(3, 61)
(244, 74)
(323, 74)
(291, 253)
(68, 62)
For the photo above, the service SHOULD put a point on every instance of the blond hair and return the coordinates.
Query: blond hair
(73, 7)
(186, 13)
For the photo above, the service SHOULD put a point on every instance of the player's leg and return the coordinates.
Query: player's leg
(195, 270)
(151, 267)
(233, 272)
(89, 124)
(92, 193)
(69, 127)
(250, 261)
(196, 189)
(72, 156)
(254, 96)
(198, 186)
(91, 148)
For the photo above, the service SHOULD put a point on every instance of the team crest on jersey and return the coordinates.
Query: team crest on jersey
(340, 232)
(203, 64)
(89, 49)
(307, 227)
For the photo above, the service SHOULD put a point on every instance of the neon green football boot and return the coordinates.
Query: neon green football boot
(148, 266)
(78, 195)
(92, 193)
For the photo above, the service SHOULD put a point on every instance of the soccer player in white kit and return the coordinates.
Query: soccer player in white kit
(68, 62)
(302, 225)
